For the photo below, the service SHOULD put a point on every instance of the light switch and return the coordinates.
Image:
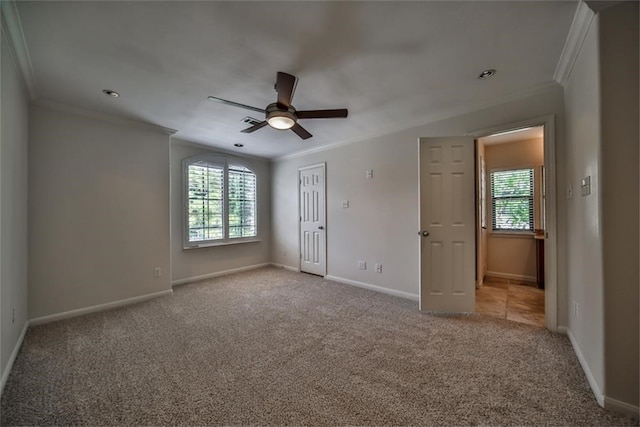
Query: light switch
(345, 204)
(585, 186)
(369, 173)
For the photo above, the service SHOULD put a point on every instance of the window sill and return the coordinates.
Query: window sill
(512, 234)
(222, 243)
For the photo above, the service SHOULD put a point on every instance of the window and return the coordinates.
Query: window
(220, 201)
(242, 202)
(512, 200)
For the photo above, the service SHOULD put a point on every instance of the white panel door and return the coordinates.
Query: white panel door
(312, 220)
(447, 225)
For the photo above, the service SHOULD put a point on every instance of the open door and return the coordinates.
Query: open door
(447, 225)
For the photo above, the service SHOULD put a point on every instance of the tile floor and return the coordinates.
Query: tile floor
(512, 300)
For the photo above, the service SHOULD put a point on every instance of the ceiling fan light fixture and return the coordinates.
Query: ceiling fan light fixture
(281, 120)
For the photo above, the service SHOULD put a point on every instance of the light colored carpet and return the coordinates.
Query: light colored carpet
(272, 347)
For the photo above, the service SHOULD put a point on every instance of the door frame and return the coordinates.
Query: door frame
(323, 165)
(551, 230)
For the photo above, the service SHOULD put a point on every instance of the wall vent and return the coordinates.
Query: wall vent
(251, 121)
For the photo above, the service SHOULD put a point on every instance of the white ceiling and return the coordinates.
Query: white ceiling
(392, 64)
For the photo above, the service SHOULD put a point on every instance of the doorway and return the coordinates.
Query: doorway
(432, 287)
(510, 210)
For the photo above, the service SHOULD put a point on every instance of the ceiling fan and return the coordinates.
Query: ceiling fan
(281, 114)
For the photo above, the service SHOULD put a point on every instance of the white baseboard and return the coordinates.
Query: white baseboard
(413, 297)
(585, 367)
(604, 401)
(96, 308)
(217, 274)
(511, 276)
(286, 267)
(622, 407)
(12, 358)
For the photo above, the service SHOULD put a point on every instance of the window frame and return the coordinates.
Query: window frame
(532, 209)
(224, 162)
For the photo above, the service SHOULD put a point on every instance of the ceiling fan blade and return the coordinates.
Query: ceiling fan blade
(285, 86)
(236, 104)
(323, 114)
(301, 132)
(254, 127)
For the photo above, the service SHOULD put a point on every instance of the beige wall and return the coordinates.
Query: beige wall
(584, 234)
(188, 264)
(619, 150)
(13, 208)
(98, 211)
(513, 255)
(601, 104)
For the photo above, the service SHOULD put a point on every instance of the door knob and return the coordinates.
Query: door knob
(424, 233)
(320, 228)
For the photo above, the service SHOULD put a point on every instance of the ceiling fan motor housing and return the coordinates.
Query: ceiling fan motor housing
(280, 117)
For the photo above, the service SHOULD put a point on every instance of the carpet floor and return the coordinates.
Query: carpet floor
(273, 347)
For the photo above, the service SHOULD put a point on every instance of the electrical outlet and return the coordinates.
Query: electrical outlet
(369, 173)
(157, 272)
(378, 268)
(362, 265)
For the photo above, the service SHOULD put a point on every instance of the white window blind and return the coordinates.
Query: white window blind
(205, 201)
(512, 200)
(242, 202)
(220, 201)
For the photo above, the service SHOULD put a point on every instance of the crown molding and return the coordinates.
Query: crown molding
(439, 115)
(577, 33)
(12, 32)
(123, 121)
